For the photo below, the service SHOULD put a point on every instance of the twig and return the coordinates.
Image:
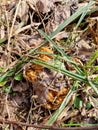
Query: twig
(25, 28)
(47, 127)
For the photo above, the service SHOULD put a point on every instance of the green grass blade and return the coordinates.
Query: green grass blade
(79, 125)
(2, 40)
(65, 57)
(65, 72)
(93, 86)
(5, 77)
(92, 59)
(85, 11)
(78, 70)
(69, 20)
(53, 43)
(62, 58)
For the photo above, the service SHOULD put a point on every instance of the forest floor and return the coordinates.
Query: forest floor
(48, 64)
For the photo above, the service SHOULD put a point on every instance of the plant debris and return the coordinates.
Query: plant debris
(48, 64)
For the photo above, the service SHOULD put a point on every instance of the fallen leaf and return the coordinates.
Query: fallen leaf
(61, 13)
(93, 29)
(23, 11)
(44, 6)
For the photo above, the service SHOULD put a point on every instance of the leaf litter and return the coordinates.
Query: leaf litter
(31, 92)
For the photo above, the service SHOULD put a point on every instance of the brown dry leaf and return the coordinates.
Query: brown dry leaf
(83, 44)
(20, 87)
(44, 6)
(23, 11)
(84, 51)
(41, 90)
(24, 43)
(61, 13)
(93, 29)
(34, 41)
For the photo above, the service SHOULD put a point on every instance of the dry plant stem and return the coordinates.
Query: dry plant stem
(25, 28)
(11, 30)
(6, 101)
(47, 127)
(8, 30)
(22, 29)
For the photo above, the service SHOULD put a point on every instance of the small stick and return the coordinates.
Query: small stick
(47, 127)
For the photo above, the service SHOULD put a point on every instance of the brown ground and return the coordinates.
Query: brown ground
(31, 93)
